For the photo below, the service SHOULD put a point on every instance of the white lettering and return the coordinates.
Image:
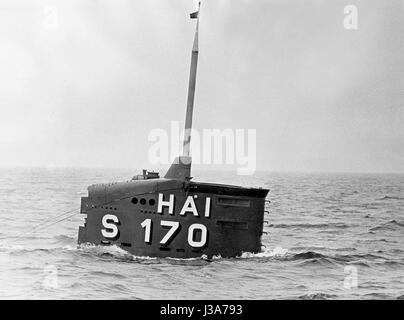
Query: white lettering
(191, 235)
(189, 206)
(113, 229)
(147, 224)
(174, 226)
(162, 203)
(207, 207)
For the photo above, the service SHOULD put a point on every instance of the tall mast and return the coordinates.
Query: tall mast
(191, 86)
(181, 167)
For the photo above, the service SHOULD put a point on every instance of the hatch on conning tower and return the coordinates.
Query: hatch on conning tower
(146, 175)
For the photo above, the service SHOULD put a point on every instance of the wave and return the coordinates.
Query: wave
(98, 251)
(110, 252)
(343, 194)
(317, 258)
(307, 255)
(390, 198)
(391, 263)
(355, 257)
(116, 253)
(316, 248)
(6, 247)
(107, 274)
(318, 296)
(313, 257)
(63, 239)
(278, 253)
(377, 295)
(267, 253)
(390, 225)
(310, 225)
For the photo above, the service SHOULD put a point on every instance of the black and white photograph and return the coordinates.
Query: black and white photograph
(213, 150)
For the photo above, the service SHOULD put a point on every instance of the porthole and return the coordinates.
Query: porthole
(152, 202)
(134, 200)
(143, 201)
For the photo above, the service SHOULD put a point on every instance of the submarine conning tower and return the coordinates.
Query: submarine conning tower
(174, 216)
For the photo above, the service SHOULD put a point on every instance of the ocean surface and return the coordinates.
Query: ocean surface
(328, 236)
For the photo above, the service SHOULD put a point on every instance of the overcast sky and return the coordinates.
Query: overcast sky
(87, 90)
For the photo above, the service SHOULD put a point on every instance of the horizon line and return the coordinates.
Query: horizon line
(163, 169)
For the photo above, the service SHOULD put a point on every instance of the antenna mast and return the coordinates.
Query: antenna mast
(181, 167)
(191, 86)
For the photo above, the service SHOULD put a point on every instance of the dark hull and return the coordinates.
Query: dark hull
(135, 215)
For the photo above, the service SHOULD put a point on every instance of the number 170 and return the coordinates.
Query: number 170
(174, 226)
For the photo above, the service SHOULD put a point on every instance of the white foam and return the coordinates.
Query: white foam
(267, 253)
(113, 250)
(13, 247)
(118, 252)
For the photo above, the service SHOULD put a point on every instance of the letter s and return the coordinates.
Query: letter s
(111, 229)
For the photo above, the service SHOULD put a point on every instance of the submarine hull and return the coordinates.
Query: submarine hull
(171, 218)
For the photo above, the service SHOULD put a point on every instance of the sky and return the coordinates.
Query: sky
(83, 82)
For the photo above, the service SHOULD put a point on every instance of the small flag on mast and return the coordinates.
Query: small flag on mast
(195, 15)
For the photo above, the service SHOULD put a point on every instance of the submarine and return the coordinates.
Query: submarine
(175, 216)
